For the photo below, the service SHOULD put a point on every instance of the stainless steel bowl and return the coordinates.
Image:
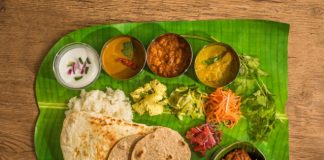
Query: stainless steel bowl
(132, 38)
(253, 152)
(160, 36)
(236, 64)
(64, 50)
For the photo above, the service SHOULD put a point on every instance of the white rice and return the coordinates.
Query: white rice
(111, 103)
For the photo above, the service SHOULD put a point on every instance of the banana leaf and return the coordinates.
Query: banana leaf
(263, 39)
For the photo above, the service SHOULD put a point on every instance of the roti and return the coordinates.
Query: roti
(123, 148)
(162, 144)
(89, 136)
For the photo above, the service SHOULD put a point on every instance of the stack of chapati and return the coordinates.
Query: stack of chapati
(91, 136)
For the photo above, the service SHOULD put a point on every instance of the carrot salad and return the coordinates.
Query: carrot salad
(223, 106)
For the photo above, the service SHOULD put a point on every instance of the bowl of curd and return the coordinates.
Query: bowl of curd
(76, 65)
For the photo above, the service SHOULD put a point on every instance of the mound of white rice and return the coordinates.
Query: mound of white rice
(111, 103)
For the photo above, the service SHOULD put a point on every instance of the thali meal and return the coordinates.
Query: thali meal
(123, 57)
(216, 65)
(169, 55)
(99, 124)
(76, 65)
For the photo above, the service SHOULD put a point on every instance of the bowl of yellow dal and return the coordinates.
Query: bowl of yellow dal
(217, 65)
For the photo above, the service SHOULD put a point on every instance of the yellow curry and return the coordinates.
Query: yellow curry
(123, 57)
(216, 65)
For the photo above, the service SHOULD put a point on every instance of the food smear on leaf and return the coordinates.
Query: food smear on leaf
(123, 57)
(223, 106)
(150, 98)
(204, 137)
(188, 101)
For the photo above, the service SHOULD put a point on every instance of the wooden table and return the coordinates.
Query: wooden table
(28, 30)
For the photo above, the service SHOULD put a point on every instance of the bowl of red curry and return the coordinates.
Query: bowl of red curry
(169, 55)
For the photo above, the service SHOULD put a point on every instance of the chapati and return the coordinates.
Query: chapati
(89, 135)
(122, 149)
(162, 144)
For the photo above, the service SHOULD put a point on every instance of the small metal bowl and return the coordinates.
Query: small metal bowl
(235, 65)
(62, 52)
(134, 40)
(149, 63)
(248, 147)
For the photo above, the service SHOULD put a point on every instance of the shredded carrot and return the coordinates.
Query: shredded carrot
(223, 106)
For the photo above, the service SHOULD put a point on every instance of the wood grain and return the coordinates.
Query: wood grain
(29, 29)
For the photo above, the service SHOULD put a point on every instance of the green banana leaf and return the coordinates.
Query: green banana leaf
(263, 39)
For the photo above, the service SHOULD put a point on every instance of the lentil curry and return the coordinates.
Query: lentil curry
(216, 65)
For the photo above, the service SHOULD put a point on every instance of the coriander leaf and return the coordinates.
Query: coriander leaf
(244, 86)
(262, 100)
(258, 105)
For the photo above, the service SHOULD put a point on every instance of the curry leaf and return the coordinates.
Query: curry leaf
(128, 49)
(214, 59)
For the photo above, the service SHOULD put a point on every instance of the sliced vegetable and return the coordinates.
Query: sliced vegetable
(187, 101)
(80, 60)
(86, 70)
(78, 68)
(223, 106)
(78, 78)
(204, 137)
(74, 67)
(88, 60)
(70, 71)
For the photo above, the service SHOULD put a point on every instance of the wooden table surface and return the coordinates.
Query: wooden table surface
(29, 29)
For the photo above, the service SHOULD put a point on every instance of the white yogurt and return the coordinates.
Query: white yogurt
(73, 73)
